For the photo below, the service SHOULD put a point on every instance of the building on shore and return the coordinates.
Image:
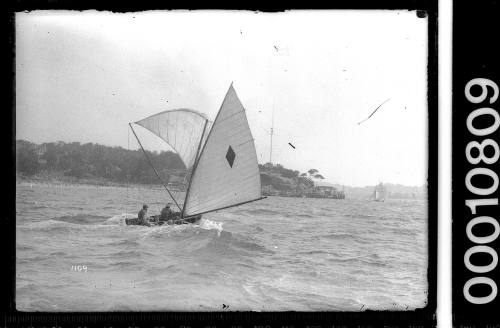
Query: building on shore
(321, 189)
(324, 189)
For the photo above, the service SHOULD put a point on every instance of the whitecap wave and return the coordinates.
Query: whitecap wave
(207, 224)
(163, 230)
(119, 219)
(45, 225)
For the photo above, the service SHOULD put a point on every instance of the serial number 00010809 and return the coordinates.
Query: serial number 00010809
(482, 161)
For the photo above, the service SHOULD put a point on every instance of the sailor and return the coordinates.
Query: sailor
(166, 213)
(142, 215)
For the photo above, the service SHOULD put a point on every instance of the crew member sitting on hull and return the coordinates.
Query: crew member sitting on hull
(142, 216)
(166, 213)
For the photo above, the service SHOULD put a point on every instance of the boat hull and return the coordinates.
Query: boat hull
(156, 221)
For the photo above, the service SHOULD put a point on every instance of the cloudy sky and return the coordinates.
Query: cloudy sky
(82, 76)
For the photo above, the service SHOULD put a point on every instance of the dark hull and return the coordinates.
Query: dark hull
(155, 220)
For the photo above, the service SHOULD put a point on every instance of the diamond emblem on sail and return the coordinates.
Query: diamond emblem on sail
(230, 156)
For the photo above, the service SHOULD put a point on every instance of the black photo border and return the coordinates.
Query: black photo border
(475, 56)
(424, 317)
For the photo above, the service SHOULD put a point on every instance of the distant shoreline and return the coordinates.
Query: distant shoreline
(67, 181)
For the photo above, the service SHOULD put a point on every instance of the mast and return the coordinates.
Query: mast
(151, 164)
(194, 167)
(272, 131)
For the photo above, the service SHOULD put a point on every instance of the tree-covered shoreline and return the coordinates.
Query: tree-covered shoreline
(103, 165)
(94, 164)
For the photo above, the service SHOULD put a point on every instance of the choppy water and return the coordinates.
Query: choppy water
(277, 254)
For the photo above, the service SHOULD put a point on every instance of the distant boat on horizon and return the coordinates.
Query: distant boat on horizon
(379, 193)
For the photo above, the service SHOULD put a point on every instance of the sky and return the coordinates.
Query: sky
(83, 76)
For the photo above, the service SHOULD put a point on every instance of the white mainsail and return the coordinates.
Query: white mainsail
(181, 129)
(226, 173)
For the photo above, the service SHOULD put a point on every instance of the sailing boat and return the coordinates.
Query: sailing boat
(221, 160)
(378, 193)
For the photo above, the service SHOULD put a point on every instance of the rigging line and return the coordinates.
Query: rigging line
(176, 125)
(156, 172)
(271, 133)
(128, 171)
(374, 111)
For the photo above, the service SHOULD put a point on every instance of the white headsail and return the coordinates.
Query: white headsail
(227, 172)
(181, 129)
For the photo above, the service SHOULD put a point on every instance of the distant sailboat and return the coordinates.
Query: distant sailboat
(221, 161)
(379, 193)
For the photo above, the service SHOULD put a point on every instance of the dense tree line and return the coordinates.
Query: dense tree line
(281, 178)
(116, 164)
(94, 161)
